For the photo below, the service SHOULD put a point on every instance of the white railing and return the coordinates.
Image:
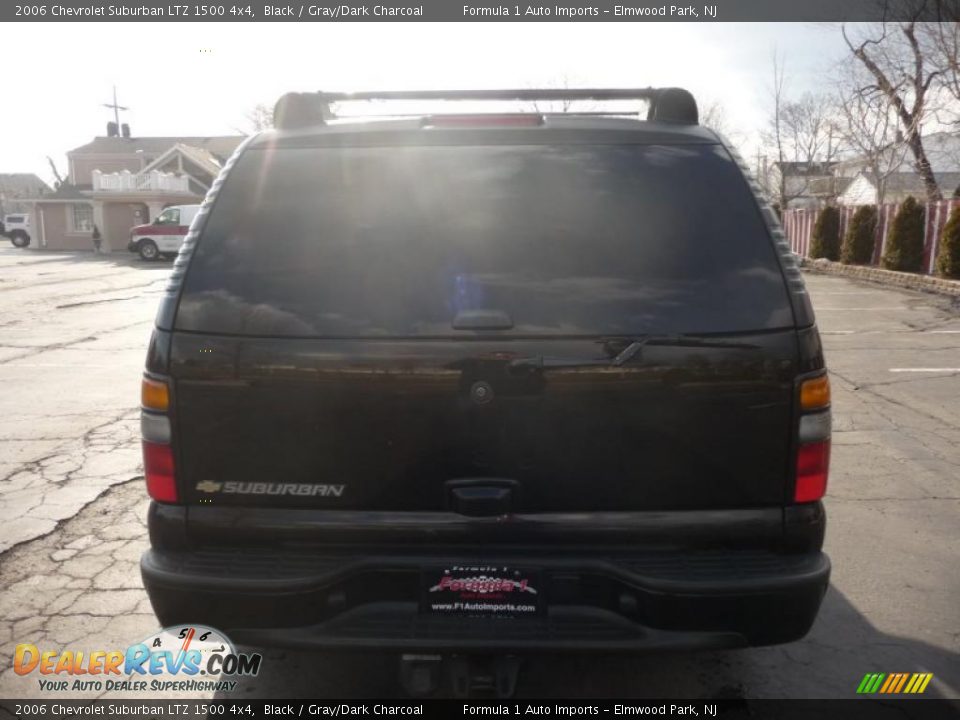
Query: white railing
(126, 181)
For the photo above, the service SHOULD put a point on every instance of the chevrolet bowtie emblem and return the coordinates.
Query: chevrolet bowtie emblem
(208, 486)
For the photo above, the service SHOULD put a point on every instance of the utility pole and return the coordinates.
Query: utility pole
(116, 108)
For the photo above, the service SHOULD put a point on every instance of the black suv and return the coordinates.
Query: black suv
(485, 384)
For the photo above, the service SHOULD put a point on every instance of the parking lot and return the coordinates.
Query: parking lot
(73, 330)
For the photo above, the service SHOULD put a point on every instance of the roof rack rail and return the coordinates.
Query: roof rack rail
(672, 105)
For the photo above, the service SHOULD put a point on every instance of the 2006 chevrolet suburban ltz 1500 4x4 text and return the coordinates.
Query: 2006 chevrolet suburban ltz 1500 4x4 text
(486, 384)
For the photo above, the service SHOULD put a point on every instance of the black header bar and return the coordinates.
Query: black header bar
(485, 709)
(332, 11)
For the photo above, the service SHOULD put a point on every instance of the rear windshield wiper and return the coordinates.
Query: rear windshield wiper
(632, 350)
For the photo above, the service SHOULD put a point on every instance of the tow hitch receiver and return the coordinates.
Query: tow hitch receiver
(461, 676)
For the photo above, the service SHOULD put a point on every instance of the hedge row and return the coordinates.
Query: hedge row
(903, 250)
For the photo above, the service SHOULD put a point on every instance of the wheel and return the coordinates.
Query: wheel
(19, 238)
(148, 250)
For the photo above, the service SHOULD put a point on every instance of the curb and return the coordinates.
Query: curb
(911, 281)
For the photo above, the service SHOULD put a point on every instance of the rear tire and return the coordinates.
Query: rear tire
(148, 250)
(19, 238)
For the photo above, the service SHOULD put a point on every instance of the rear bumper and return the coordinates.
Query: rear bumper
(596, 602)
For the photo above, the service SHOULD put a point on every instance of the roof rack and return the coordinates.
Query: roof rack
(671, 105)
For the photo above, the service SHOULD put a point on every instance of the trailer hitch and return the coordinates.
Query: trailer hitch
(461, 676)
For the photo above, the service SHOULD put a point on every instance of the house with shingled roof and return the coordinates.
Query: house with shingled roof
(15, 187)
(118, 181)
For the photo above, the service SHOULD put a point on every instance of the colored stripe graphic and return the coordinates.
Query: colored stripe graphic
(918, 683)
(894, 683)
(891, 680)
(900, 684)
(871, 682)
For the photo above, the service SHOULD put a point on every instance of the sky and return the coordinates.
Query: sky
(204, 78)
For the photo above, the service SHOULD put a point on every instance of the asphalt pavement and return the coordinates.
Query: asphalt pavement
(73, 331)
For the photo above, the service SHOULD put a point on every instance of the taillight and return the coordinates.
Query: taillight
(813, 465)
(158, 468)
(813, 437)
(158, 464)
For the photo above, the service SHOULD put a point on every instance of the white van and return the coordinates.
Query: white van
(17, 228)
(165, 234)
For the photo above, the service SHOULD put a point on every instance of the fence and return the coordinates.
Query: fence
(798, 225)
(154, 181)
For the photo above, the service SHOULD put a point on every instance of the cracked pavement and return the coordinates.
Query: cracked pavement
(73, 332)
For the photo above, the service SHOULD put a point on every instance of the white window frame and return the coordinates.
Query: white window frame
(72, 219)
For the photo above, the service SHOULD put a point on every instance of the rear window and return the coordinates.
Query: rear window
(564, 240)
(14, 218)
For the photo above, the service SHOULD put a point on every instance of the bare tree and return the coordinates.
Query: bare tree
(260, 117)
(810, 126)
(902, 72)
(60, 180)
(563, 83)
(803, 132)
(713, 115)
(941, 45)
(869, 126)
(776, 185)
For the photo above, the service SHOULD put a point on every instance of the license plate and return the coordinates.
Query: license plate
(482, 590)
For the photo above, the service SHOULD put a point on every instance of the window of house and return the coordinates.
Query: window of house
(81, 218)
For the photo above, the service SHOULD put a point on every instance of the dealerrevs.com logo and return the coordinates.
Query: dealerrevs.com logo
(183, 658)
